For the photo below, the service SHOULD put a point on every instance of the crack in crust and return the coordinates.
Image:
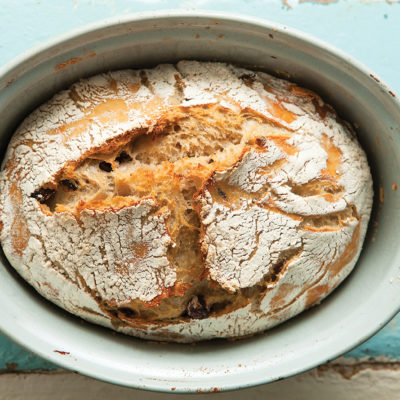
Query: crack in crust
(184, 202)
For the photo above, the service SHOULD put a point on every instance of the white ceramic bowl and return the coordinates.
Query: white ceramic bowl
(356, 310)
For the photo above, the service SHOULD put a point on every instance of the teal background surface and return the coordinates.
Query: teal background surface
(367, 30)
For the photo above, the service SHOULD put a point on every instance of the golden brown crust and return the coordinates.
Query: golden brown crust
(184, 202)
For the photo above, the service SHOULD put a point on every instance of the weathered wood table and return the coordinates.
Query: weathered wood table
(369, 30)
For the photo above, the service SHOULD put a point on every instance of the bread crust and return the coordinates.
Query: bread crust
(277, 218)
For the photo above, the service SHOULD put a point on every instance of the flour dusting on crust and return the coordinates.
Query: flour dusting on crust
(184, 202)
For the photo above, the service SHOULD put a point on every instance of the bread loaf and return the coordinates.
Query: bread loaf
(185, 202)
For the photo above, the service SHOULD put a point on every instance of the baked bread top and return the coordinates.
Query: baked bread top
(184, 202)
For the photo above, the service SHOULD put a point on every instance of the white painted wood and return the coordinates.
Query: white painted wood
(363, 381)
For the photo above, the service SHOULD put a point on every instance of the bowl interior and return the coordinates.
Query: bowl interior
(357, 309)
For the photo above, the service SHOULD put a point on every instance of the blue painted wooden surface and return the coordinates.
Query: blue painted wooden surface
(368, 30)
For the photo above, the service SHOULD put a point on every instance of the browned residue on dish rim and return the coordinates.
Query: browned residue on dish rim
(73, 61)
(381, 194)
(9, 83)
(212, 390)
(63, 353)
(374, 78)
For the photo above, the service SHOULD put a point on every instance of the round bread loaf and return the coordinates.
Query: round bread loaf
(185, 202)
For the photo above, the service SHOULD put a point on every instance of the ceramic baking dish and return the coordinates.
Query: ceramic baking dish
(355, 311)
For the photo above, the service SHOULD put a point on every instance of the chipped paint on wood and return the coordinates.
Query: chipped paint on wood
(12, 356)
(292, 3)
(11, 366)
(364, 381)
(318, 1)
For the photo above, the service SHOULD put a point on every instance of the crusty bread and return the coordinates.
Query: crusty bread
(184, 202)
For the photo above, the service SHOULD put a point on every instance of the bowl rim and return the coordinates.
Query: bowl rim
(161, 14)
(19, 337)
